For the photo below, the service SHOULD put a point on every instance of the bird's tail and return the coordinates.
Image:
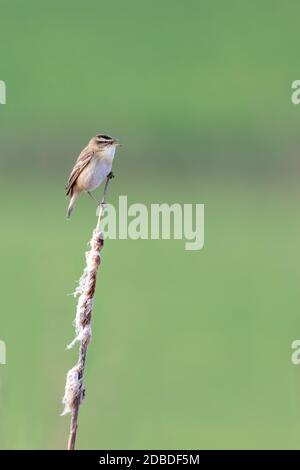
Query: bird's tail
(72, 204)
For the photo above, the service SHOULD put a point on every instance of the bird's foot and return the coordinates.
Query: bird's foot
(110, 175)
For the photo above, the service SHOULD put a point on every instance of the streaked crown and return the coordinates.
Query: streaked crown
(104, 139)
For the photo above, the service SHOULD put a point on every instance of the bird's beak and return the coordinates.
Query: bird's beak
(117, 143)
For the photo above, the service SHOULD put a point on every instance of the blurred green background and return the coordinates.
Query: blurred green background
(190, 349)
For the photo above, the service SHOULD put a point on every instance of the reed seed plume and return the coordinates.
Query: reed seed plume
(85, 291)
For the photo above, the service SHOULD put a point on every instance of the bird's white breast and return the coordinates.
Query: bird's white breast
(98, 169)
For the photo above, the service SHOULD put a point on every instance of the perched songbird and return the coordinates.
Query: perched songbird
(93, 165)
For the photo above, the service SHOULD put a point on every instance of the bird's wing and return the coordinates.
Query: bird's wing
(81, 162)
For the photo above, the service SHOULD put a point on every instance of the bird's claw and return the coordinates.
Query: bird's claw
(110, 175)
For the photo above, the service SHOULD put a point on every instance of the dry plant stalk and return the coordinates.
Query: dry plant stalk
(74, 389)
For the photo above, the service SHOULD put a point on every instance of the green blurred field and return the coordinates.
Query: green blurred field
(190, 350)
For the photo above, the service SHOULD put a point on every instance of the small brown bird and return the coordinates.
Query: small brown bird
(92, 166)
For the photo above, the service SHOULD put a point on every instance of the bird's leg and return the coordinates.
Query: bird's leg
(90, 194)
(102, 203)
